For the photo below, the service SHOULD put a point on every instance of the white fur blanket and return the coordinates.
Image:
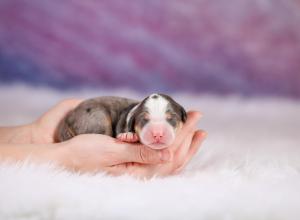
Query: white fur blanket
(248, 168)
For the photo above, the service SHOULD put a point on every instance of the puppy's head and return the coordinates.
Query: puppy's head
(156, 120)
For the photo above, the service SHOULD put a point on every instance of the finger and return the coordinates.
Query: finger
(183, 149)
(67, 105)
(142, 154)
(117, 170)
(198, 139)
(189, 126)
(61, 109)
(133, 169)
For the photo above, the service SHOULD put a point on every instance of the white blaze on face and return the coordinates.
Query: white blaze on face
(157, 133)
(156, 107)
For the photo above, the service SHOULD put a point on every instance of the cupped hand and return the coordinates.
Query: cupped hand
(95, 152)
(89, 152)
(44, 128)
(182, 150)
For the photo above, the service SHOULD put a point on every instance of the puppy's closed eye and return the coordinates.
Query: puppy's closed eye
(173, 119)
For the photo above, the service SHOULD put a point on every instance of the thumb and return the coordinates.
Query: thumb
(142, 154)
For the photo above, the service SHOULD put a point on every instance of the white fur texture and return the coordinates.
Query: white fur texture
(157, 107)
(248, 168)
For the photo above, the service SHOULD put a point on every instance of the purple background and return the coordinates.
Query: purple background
(249, 47)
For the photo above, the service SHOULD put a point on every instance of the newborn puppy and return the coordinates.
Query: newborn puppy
(154, 121)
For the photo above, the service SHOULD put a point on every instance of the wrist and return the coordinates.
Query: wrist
(62, 155)
(16, 135)
(49, 153)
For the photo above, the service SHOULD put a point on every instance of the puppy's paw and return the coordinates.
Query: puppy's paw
(128, 137)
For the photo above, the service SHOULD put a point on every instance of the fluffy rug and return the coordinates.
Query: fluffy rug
(248, 168)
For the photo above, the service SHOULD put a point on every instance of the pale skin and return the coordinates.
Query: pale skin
(95, 152)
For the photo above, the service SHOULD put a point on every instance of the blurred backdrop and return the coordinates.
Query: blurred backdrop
(246, 47)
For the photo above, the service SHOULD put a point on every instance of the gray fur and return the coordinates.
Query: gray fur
(103, 115)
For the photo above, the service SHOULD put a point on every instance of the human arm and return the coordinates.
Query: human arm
(40, 131)
(36, 141)
(94, 152)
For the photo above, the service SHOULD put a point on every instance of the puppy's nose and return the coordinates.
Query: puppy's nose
(157, 135)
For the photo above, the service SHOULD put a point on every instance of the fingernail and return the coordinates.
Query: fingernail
(165, 155)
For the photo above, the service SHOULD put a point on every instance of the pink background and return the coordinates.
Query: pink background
(249, 47)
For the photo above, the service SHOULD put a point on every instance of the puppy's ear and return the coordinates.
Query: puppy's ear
(183, 114)
(180, 110)
(130, 119)
(126, 120)
(130, 124)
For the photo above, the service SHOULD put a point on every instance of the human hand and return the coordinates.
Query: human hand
(43, 130)
(182, 150)
(90, 152)
(96, 152)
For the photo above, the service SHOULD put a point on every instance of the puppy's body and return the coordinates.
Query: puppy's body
(102, 115)
(154, 121)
